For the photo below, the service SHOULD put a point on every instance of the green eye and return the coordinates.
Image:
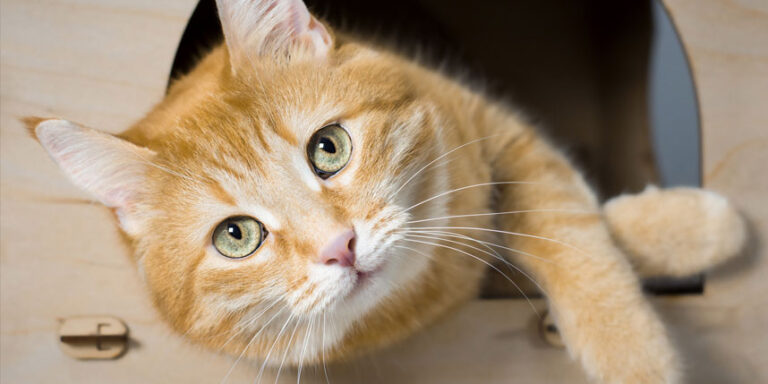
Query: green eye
(238, 237)
(329, 150)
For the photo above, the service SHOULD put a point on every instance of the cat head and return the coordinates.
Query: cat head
(272, 182)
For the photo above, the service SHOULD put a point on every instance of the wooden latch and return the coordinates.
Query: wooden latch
(93, 337)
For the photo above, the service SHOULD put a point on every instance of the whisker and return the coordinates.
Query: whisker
(438, 158)
(244, 327)
(413, 250)
(515, 234)
(509, 265)
(423, 181)
(287, 349)
(325, 367)
(494, 254)
(232, 368)
(439, 195)
(484, 262)
(429, 257)
(504, 213)
(460, 236)
(497, 256)
(307, 336)
(487, 243)
(266, 359)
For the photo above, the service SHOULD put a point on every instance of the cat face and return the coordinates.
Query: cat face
(272, 183)
(307, 165)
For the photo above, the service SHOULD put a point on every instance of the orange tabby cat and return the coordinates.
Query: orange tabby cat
(302, 196)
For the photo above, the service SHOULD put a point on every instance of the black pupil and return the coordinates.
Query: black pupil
(326, 145)
(234, 231)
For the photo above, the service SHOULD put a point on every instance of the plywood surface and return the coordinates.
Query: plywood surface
(727, 43)
(104, 63)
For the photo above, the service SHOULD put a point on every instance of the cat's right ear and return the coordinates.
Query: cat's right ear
(111, 169)
(254, 29)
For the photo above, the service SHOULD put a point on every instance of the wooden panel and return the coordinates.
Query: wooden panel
(724, 334)
(104, 63)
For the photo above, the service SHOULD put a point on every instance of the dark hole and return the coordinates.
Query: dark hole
(578, 69)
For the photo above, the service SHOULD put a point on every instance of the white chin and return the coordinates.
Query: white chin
(398, 271)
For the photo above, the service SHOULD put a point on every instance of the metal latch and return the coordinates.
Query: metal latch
(93, 337)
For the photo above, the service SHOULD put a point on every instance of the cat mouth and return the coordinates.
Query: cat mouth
(363, 278)
(362, 275)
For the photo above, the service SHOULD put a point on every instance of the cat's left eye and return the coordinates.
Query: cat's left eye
(329, 150)
(238, 237)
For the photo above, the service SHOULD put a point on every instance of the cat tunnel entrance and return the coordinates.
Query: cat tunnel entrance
(607, 81)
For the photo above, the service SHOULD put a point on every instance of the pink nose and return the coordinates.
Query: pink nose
(341, 250)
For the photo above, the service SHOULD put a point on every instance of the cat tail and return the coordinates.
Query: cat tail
(675, 232)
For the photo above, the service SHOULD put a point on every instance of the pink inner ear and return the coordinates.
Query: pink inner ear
(110, 169)
(270, 27)
(298, 19)
(319, 32)
(305, 28)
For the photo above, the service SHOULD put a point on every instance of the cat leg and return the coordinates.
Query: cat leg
(675, 232)
(593, 292)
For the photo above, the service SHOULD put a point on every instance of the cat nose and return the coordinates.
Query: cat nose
(340, 250)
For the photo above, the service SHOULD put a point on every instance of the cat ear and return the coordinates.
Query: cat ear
(109, 168)
(257, 28)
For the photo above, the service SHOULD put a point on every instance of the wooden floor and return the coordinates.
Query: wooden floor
(105, 63)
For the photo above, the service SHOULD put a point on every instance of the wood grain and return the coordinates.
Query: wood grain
(725, 333)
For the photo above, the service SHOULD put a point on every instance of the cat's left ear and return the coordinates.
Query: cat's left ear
(255, 29)
(109, 168)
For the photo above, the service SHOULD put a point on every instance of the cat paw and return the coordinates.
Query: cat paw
(624, 345)
(676, 231)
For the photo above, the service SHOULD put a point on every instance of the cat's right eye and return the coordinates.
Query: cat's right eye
(329, 150)
(238, 237)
